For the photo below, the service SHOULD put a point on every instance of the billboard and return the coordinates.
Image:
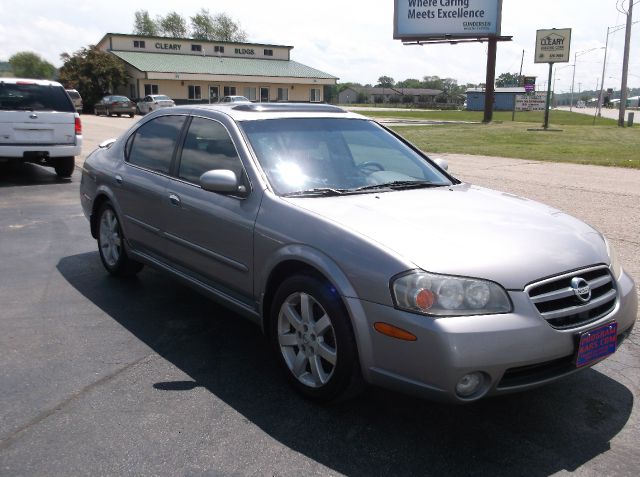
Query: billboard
(553, 46)
(416, 20)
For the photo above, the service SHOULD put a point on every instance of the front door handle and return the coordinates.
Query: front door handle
(118, 178)
(174, 199)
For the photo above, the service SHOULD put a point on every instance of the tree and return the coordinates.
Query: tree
(506, 80)
(409, 83)
(226, 29)
(144, 24)
(202, 25)
(173, 25)
(93, 73)
(385, 82)
(26, 64)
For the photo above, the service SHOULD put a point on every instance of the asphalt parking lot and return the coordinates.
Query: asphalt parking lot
(100, 376)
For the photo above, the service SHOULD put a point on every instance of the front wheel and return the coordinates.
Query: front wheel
(312, 335)
(111, 244)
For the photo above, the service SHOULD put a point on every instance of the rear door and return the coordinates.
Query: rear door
(35, 114)
(141, 181)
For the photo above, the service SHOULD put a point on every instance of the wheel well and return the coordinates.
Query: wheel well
(283, 271)
(101, 199)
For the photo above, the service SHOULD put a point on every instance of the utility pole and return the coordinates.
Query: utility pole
(625, 66)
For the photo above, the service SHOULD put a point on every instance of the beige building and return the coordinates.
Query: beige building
(199, 71)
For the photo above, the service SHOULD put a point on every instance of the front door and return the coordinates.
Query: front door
(264, 95)
(210, 234)
(214, 94)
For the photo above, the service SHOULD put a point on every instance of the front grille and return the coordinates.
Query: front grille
(558, 304)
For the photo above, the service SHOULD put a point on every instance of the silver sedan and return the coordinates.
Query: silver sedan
(362, 260)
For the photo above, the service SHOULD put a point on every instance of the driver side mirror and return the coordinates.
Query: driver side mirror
(222, 181)
(442, 164)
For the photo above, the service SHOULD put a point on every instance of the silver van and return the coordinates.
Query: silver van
(39, 124)
(76, 99)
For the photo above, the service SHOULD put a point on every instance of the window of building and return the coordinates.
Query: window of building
(314, 95)
(218, 49)
(196, 47)
(251, 94)
(207, 146)
(268, 52)
(283, 94)
(152, 145)
(138, 44)
(229, 91)
(150, 89)
(194, 92)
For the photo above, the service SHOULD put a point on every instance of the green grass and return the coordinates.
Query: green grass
(556, 117)
(606, 145)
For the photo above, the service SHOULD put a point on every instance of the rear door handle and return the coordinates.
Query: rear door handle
(118, 178)
(174, 199)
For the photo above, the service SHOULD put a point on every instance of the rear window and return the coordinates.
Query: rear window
(73, 94)
(163, 97)
(34, 97)
(119, 98)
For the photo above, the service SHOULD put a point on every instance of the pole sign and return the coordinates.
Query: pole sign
(530, 102)
(529, 83)
(416, 20)
(553, 46)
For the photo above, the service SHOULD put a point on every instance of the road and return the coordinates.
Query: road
(100, 376)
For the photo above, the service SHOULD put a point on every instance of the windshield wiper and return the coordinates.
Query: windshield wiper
(316, 192)
(400, 185)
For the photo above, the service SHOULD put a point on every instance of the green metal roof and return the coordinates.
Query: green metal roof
(213, 65)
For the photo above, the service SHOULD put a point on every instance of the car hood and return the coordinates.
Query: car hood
(468, 230)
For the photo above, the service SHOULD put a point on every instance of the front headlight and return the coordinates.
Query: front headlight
(614, 265)
(443, 295)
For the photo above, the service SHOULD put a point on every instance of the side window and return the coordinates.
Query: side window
(152, 145)
(207, 146)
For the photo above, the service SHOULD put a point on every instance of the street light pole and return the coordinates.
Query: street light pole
(625, 66)
(575, 60)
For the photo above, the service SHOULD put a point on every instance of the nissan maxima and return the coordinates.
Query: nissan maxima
(362, 260)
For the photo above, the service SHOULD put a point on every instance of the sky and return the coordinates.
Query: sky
(350, 39)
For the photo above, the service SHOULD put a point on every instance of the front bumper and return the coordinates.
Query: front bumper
(514, 351)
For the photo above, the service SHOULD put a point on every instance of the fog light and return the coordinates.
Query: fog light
(469, 384)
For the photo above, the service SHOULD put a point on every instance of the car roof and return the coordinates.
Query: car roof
(255, 111)
(29, 81)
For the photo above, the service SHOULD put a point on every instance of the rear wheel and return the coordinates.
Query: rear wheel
(111, 244)
(312, 335)
(64, 166)
(131, 115)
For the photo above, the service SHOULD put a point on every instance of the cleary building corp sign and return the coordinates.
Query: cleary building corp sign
(553, 46)
(427, 19)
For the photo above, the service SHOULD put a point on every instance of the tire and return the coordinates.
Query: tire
(312, 336)
(118, 114)
(96, 112)
(111, 244)
(64, 166)
(131, 115)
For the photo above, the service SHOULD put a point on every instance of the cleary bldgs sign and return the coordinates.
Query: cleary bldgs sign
(553, 46)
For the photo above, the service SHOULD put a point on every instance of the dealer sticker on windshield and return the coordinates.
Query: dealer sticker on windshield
(597, 343)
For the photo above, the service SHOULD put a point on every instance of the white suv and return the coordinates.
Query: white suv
(39, 124)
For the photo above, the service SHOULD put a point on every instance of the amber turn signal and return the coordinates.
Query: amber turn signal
(394, 331)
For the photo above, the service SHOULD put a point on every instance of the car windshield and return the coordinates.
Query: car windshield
(331, 156)
(34, 97)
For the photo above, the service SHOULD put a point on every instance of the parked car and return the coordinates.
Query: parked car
(151, 102)
(118, 105)
(362, 259)
(39, 124)
(234, 99)
(76, 99)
